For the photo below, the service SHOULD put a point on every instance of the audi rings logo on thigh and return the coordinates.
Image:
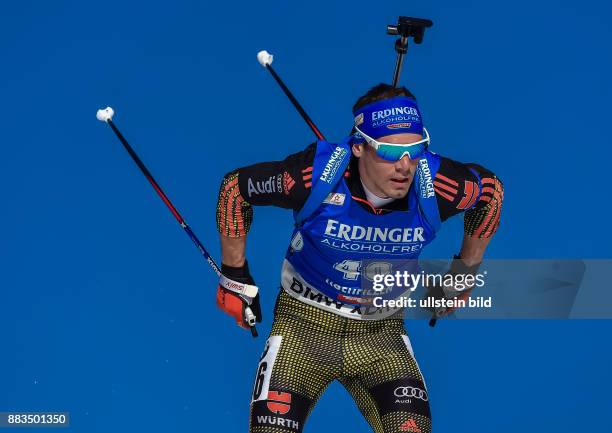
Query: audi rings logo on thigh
(404, 394)
(410, 392)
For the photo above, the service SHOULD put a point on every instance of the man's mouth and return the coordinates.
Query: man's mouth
(400, 181)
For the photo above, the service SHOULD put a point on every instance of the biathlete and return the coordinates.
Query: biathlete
(379, 194)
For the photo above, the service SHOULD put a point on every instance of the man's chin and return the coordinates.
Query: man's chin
(397, 193)
(398, 189)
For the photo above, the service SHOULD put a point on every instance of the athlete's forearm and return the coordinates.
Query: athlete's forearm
(482, 221)
(233, 250)
(472, 249)
(234, 214)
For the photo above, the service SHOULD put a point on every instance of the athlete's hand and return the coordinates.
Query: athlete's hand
(238, 296)
(438, 293)
(451, 292)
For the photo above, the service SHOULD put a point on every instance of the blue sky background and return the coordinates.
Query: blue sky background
(107, 310)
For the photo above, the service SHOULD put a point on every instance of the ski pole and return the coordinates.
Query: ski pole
(265, 59)
(106, 115)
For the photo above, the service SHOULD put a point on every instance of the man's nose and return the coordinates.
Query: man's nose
(403, 165)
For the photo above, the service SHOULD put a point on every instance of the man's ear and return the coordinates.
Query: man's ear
(358, 149)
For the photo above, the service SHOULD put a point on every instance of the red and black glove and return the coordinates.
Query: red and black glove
(238, 296)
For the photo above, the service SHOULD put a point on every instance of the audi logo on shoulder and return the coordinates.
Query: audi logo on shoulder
(409, 391)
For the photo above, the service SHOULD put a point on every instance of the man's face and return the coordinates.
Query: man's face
(387, 178)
